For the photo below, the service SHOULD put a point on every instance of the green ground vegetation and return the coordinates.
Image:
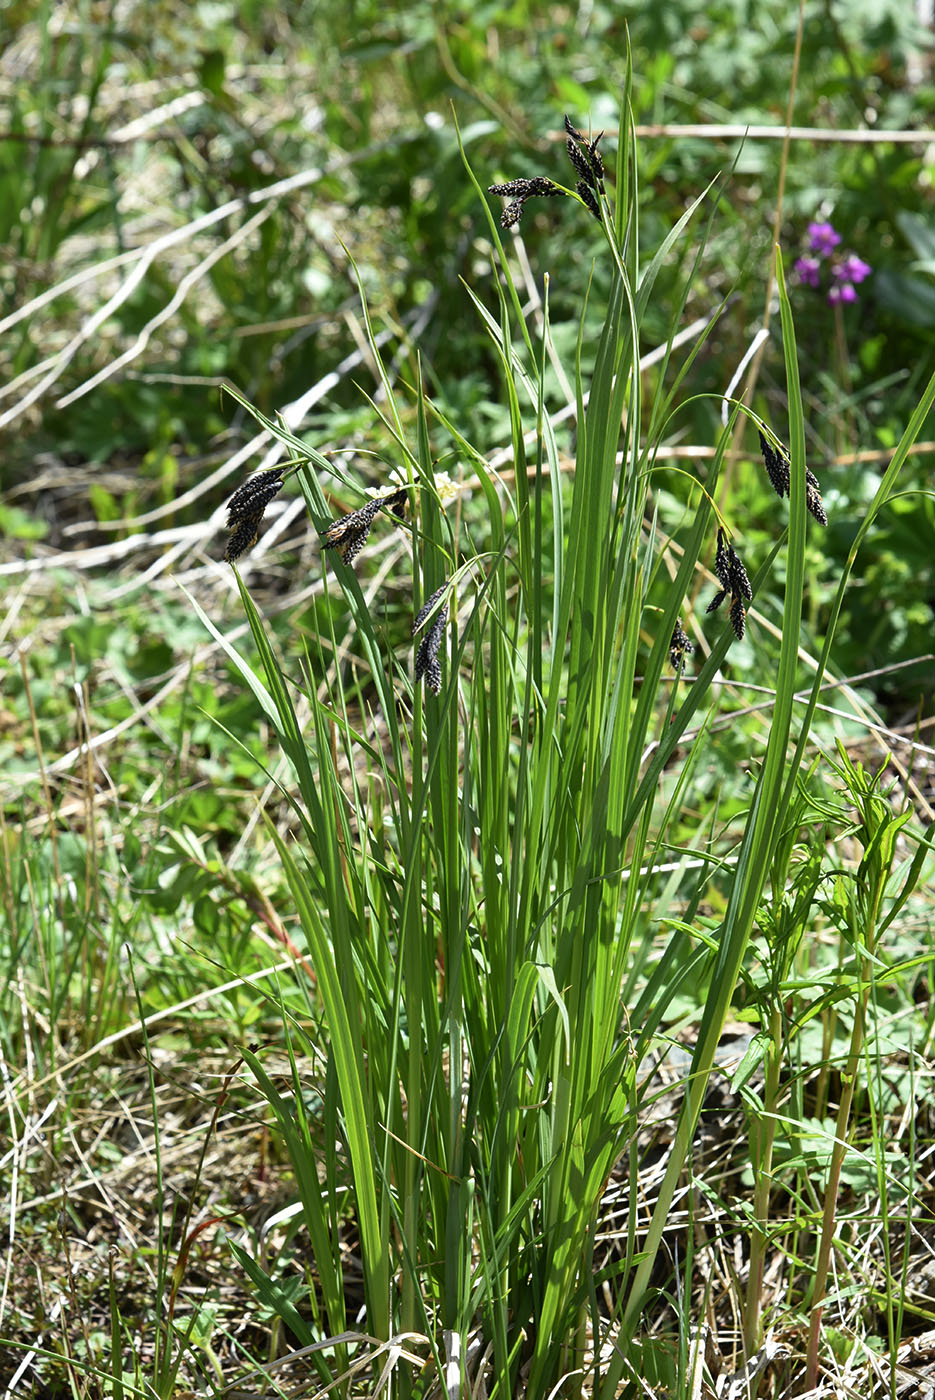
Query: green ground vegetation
(478, 938)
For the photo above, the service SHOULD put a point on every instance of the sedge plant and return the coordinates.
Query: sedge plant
(480, 817)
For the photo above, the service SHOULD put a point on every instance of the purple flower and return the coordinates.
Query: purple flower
(823, 239)
(852, 269)
(843, 291)
(808, 270)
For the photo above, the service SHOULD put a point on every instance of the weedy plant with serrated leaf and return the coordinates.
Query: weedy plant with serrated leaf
(491, 802)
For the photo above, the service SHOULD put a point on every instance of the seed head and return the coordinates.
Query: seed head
(722, 561)
(535, 187)
(738, 616)
(433, 676)
(585, 156)
(245, 510)
(588, 164)
(243, 536)
(589, 198)
(427, 664)
(349, 534)
(738, 582)
(732, 576)
(580, 161)
(397, 503)
(776, 461)
(729, 569)
(679, 647)
(815, 505)
(777, 466)
(427, 607)
(597, 161)
(253, 495)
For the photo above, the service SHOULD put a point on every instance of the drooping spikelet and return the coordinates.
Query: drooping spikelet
(815, 505)
(588, 164)
(245, 511)
(433, 676)
(722, 561)
(348, 535)
(777, 461)
(738, 616)
(739, 583)
(537, 186)
(243, 536)
(427, 663)
(253, 495)
(426, 608)
(518, 191)
(680, 646)
(732, 576)
(777, 466)
(728, 566)
(588, 198)
(397, 503)
(350, 532)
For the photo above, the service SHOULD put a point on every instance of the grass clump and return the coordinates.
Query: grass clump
(477, 881)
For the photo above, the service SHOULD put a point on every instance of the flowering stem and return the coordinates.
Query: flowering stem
(736, 447)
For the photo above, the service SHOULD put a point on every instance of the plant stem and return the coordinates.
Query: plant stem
(762, 1152)
(865, 950)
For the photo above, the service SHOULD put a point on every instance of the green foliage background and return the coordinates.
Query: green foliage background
(122, 125)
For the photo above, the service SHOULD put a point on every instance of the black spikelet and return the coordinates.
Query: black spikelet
(245, 511)
(816, 506)
(581, 163)
(433, 676)
(427, 656)
(349, 534)
(585, 156)
(597, 161)
(243, 536)
(679, 647)
(722, 561)
(777, 464)
(537, 187)
(397, 503)
(253, 495)
(738, 582)
(732, 576)
(350, 548)
(589, 198)
(518, 191)
(738, 616)
(427, 663)
(427, 607)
